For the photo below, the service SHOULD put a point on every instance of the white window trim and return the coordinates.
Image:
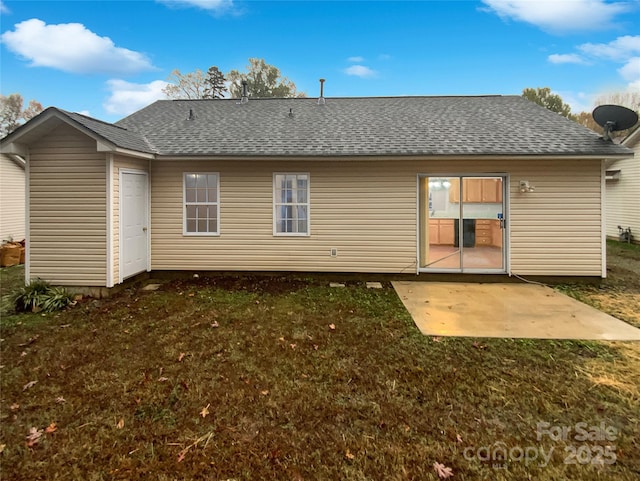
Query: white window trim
(308, 204)
(184, 205)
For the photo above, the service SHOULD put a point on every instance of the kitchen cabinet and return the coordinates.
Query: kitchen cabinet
(441, 231)
(491, 191)
(496, 233)
(454, 190)
(483, 232)
(446, 231)
(478, 190)
(488, 233)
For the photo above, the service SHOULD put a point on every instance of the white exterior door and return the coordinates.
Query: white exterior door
(134, 241)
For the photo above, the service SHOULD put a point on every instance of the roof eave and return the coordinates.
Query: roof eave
(11, 143)
(109, 147)
(632, 138)
(387, 157)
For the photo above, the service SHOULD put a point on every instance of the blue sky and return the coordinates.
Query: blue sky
(109, 58)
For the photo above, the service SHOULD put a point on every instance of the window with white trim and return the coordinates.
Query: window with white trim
(291, 204)
(201, 203)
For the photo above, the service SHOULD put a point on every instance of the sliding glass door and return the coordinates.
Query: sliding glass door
(462, 223)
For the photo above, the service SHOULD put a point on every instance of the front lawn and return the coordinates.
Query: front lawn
(288, 378)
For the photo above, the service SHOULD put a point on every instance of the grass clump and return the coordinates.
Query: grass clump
(39, 295)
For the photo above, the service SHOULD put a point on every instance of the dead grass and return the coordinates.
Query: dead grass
(286, 378)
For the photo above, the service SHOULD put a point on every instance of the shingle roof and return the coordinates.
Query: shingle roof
(392, 126)
(127, 139)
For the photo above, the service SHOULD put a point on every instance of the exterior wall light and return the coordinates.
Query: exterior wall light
(526, 187)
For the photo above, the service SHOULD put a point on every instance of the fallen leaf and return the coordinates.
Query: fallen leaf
(51, 428)
(477, 345)
(33, 437)
(332, 327)
(2, 446)
(205, 411)
(14, 407)
(443, 471)
(281, 339)
(31, 340)
(60, 400)
(23, 353)
(436, 339)
(29, 385)
(349, 455)
(191, 294)
(163, 379)
(181, 356)
(292, 346)
(120, 424)
(458, 438)
(265, 392)
(215, 324)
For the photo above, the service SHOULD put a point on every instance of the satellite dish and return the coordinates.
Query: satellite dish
(614, 117)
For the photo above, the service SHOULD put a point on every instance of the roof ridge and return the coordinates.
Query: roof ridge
(349, 98)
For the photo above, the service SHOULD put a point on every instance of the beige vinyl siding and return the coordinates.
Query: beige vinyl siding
(372, 232)
(367, 211)
(623, 196)
(120, 162)
(556, 230)
(67, 195)
(12, 210)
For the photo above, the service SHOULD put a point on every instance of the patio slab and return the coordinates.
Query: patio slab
(507, 311)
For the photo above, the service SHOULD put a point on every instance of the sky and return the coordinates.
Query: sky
(108, 59)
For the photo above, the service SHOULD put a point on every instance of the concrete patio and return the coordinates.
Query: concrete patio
(506, 310)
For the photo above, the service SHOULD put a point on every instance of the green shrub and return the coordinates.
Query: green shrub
(40, 296)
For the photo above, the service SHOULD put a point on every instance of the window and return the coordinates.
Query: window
(291, 204)
(201, 204)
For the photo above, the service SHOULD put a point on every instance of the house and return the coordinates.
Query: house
(12, 187)
(404, 185)
(623, 191)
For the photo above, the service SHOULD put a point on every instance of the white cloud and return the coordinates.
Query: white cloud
(623, 50)
(619, 49)
(631, 70)
(560, 16)
(566, 58)
(355, 59)
(127, 97)
(85, 112)
(579, 102)
(360, 71)
(71, 47)
(218, 6)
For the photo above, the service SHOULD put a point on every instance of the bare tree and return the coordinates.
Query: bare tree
(12, 114)
(263, 80)
(185, 86)
(628, 99)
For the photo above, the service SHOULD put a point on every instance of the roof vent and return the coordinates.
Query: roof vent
(191, 116)
(321, 100)
(245, 96)
(290, 113)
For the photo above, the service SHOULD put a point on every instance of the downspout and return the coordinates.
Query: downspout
(27, 219)
(603, 217)
(109, 213)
